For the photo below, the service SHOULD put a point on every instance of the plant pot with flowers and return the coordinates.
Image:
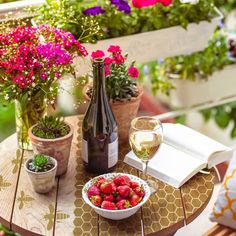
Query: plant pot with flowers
(41, 170)
(53, 137)
(122, 88)
(31, 62)
(163, 27)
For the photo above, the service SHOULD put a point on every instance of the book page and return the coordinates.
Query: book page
(169, 165)
(191, 141)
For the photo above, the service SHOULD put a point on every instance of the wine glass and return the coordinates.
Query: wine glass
(146, 136)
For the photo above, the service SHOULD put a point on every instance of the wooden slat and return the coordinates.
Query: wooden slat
(164, 212)
(196, 194)
(66, 198)
(10, 162)
(214, 230)
(33, 213)
(73, 216)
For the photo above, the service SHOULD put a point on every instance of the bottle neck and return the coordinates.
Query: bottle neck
(98, 81)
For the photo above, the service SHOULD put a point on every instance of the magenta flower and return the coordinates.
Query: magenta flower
(31, 57)
(133, 72)
(108, 61)
(119, 59)
(97, 54)
(43, 76)
(114, 49)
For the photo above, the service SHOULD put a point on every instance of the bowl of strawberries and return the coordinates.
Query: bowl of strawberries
(116, 196)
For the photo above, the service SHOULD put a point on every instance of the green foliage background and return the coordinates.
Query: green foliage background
(7, 121)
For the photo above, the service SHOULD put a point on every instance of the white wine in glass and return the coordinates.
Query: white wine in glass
(146, 136)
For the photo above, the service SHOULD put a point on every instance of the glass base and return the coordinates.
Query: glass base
(152, 185)
(25, 146)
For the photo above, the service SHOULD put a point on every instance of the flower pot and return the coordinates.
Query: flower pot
(42, 182)
(167, 42)
(58, 148)
(124, 112)
(190, 93)
(28, 113)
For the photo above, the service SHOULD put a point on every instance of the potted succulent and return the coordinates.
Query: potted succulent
(53, 137)
(42, 171)
(122, 88)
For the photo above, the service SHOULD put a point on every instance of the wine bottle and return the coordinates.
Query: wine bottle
(100, 134)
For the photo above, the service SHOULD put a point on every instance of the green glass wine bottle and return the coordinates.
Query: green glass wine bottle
(100, 133)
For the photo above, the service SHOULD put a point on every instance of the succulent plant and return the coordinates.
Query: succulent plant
(50, 128)
(40, 163)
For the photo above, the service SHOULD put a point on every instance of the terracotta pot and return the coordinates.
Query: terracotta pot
(42, 182)
(58, 148)
(124, 112)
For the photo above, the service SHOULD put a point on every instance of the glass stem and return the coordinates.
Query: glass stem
(145, 170)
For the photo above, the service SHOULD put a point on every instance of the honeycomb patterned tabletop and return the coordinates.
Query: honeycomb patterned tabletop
(63, 212)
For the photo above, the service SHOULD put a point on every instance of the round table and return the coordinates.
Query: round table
(63, 212)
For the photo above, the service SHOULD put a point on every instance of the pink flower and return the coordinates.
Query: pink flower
(97, 54)
(144, 3)
(108, 61)
(43, 76)
(107, 71)
(114, 49)
(119, 59)
(133, 72)
(165, 2)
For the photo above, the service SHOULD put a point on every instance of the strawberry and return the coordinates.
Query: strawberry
(118, 198)
(139, 191)
(123, 204)
(106, 187)
(134, 200)
(108, 205)
(99, 181)
(109, 198)
(131, 193)
(134, 184)
(96, 200)
(124, 191)
(93, 190)
(113, 187)
(122, 180)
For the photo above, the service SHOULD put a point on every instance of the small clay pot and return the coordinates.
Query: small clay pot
(124, 112)
(58, 148)
(42, 182)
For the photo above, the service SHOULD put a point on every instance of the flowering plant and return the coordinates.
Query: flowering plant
(114, 18)
(120, 76)
(200, 65)
(33, 59)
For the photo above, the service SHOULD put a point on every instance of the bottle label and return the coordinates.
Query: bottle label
(113, 153)
(85, 150)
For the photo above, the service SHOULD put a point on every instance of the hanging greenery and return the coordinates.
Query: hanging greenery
(198, 65)
(223, 116)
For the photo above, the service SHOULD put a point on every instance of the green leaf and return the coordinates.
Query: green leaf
(222, 118)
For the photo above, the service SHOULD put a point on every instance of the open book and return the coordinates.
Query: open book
(183, 153)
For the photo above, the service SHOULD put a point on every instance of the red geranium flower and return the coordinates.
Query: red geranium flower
(133, 72)
(165, 2)
(107, 71)
(114, 49)
(144, 3)
(97, 54)
(108, 61)
(119, 59)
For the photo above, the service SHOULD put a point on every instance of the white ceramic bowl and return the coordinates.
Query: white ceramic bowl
(116, 214)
